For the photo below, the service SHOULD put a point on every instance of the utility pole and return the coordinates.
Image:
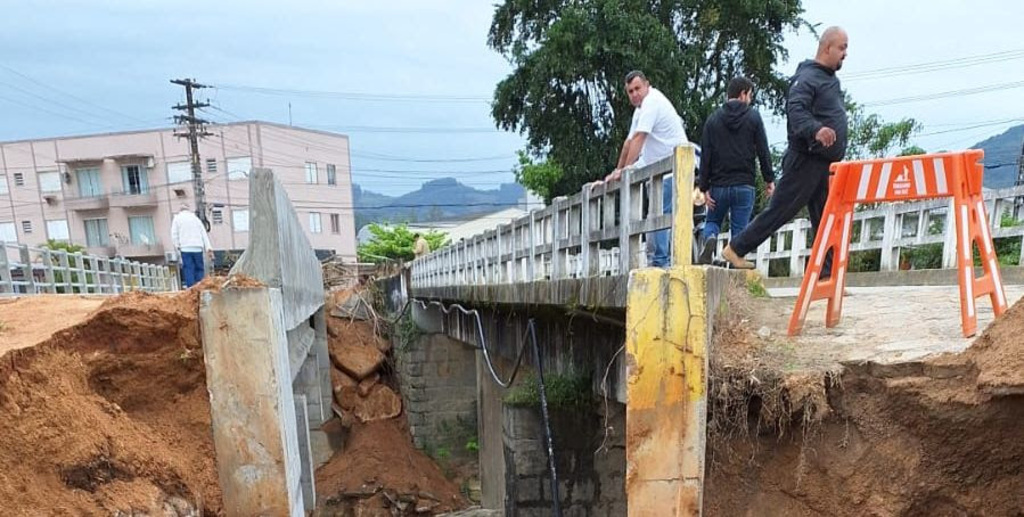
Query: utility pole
(195, 130)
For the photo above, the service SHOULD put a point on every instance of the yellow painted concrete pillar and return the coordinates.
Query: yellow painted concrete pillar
(667, 337)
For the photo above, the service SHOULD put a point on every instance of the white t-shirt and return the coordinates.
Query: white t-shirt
(658, 118)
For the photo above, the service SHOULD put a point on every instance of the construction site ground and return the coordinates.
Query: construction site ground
(106, 411)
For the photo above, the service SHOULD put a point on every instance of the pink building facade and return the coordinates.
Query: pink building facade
(116, 193)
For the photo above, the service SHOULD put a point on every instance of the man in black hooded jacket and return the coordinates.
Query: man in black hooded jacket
(817, 135)
(733, 138)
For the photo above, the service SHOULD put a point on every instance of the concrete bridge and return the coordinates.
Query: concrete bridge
(572, 277)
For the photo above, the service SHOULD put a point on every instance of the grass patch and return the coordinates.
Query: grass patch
(755, 286)
(564, 391)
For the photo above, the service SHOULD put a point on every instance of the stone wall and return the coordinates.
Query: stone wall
(591, 476)
(438, 381)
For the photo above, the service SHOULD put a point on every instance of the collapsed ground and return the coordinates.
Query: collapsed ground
(110, 416)
(793, 437)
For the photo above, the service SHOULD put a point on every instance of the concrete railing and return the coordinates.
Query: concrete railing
(29, 270)
(892, 228)
(267, 363)
(600, 231)
(551, 244)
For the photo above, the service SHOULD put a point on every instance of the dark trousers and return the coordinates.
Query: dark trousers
(804, 182)
(192, 267)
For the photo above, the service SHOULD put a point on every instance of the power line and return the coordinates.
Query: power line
(946, 94)
(933, 66)
(355, 96)
(73, 97)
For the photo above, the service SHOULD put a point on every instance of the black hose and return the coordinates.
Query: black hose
(556, 507)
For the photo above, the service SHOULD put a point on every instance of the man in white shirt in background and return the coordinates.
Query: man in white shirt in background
(656, 130)
(190, 239)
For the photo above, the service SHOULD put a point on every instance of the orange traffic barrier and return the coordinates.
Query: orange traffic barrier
(957, 175)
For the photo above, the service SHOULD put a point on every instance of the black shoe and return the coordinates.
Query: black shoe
(707, 252)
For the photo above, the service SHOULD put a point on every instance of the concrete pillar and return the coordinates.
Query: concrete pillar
(489, 432)
(667, 338)
(251, 402)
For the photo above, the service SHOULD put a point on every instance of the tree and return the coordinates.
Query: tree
(64, 246)
(872, 137)
(395, 243)
(538, 177)
(570, 57)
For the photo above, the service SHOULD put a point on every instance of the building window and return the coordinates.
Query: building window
(211, 165)
(239, 168)
(332, 174)
(141, 230)
(49, 182)
(218, 216)
(3, 185)
(335, 223)
(19, 179)
(240, 220)
(96, 233)
(8, 232)
(26, 226)
(134, 180)
(311, 172)
(315, 224)
(179, 172)
(89, 182)
(57, 230)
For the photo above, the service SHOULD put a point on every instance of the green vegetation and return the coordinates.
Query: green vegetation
(395, 243)
(564, 391)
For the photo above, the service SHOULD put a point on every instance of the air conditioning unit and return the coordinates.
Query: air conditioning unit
(66, 176)
(171, 257)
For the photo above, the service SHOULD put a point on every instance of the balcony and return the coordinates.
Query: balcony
(133, 199)
(101, 251)
(100, 202)
(140, 250)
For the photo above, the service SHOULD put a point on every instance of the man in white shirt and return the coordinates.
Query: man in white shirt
(656, 130)
(190, 239)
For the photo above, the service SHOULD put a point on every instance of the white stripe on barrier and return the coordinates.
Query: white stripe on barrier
(865, 178)
(823, 245)
(807, 296)
(997, 282)
(983, 222)
(922, 189)
(883, 183)
(965, 250)
(847, 224)
(838, 293)
(940, 176)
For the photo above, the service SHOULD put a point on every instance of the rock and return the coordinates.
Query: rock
(340, 379)
(382, 403)
(348, 397)
(355, 360)
(368, 383)
(764, 332)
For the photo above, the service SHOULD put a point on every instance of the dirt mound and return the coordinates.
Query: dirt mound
(929, 438)
(111, 415)
(380, 470)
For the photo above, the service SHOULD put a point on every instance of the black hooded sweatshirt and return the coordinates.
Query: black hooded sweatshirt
(815, 100)
(733, 137)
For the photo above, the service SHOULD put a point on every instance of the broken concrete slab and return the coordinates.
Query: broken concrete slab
(355, 360)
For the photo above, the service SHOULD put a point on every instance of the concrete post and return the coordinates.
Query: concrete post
(251, 403)
(889, 260)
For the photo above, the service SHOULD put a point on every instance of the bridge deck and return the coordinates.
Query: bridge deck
(881, 324)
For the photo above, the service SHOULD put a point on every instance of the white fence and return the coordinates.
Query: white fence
(29, 270)
(589, 234)
(894, 228)
(551, 244)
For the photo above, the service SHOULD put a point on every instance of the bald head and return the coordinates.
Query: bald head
(832, 47)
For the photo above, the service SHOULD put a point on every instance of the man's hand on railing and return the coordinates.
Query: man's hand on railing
(615, 175)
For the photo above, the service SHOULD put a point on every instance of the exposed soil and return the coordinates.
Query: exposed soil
(939, 437)
(111, 414)
(20, 327)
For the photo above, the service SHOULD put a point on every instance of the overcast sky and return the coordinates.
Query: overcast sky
(433, 73)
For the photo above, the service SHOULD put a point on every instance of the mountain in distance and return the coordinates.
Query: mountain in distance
(1001, 154)
(438, 199)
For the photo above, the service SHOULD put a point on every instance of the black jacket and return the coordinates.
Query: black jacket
(815, 100)
(733, 137)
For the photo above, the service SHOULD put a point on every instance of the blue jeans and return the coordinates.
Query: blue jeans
(737, 201)
(192, 267)
(662, 255)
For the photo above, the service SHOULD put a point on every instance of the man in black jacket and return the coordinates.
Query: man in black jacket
(733, 138)
(816, 129)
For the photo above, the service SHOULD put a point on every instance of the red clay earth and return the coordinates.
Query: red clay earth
(112, 415)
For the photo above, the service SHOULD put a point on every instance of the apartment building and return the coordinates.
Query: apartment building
(116, 193)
